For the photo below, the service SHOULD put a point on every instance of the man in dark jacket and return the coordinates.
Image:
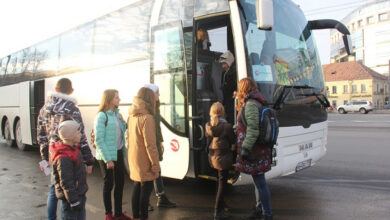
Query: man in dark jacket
(58, 107)
(69, 171)
(228, 84)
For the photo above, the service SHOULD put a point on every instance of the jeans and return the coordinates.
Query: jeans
(265, 195)
(68, 214)
(140, 199)
(158, 185)
(110, 176)
(222, 184)
(52, 202)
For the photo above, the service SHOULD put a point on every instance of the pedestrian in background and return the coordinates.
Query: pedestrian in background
(142, 152)
(221, 141)
(69, 171)
(59, 106)
(162, 199)
(109, 140)
(252, 158)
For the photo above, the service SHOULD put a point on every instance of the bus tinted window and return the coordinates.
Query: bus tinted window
(174, 10)
(3, 66)
(46, 58)
(76, 49)
(204, 7)
(122, 36)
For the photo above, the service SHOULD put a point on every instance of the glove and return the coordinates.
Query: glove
(76, 207)
(244, 154)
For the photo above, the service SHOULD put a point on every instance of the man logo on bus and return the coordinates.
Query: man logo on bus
(175, 146)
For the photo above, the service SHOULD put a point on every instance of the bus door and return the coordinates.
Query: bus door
(37, 100)
(168, 71)
(213, 37)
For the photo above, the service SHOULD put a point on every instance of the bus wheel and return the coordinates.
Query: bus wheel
(7, 134)
(18, 137)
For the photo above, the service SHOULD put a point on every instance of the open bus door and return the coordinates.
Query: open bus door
(207, 78)
(168, 71)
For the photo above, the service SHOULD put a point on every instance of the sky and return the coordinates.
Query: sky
(26, 22)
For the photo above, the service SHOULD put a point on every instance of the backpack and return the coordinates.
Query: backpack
(93, 132)
(268, 125)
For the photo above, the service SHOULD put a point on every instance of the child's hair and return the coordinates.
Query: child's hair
(216, 110)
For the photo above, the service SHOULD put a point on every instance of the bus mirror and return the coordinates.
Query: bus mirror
(347, 43)
(265, 14)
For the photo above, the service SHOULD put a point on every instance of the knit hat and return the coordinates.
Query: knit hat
(68, 130)
(153, 87)
(227, 58)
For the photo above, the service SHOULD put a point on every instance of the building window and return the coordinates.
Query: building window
(370, 20)
(363, 88)
(334, 103)
(345, 102)
(386, 89)
(360, 23)
(345, 89)
(354, 89)
(377, 88)
(383, 16)
(334, 89)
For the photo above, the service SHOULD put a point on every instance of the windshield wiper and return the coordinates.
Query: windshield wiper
(280, 101)
(324, 102)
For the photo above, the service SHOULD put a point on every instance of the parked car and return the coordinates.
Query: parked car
(356, 106)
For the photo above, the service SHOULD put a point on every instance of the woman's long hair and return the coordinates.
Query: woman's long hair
(202, 34)
(245, 86)
(108, 96)
(147, 95)
(217, 110)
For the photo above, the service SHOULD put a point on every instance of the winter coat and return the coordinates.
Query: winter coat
(106, 137)
(220, 139)
(260, 156)
(69, 172)
(229, 85)
(59, 107)
(159, 137)
(142, 153)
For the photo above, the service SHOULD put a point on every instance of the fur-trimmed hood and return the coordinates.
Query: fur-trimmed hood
(58, 102)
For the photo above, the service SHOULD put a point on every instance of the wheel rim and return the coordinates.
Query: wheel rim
(18, 137)
(7, 134)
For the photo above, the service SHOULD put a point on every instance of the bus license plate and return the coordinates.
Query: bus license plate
(302, 165)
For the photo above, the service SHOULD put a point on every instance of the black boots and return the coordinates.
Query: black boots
(163, 201)
(219, 215)
(256, 214)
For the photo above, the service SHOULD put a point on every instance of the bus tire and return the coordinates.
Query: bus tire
(18, 137)
(7, 134)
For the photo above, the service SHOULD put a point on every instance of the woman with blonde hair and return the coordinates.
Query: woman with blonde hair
(252, 158)
(109, 140)
(203, 38)
(221, 141)
(142, 153)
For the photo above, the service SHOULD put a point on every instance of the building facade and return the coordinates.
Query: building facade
(352, 81)
(370, 32)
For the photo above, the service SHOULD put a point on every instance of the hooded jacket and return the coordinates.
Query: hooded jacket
(221, 139)
(59, 107)
(69, 172)
(143, 156)
(260, 156)
(106, 137)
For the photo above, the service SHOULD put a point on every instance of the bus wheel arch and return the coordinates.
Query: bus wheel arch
(18, 135)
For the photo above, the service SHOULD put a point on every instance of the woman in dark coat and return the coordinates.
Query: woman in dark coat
(221, 142)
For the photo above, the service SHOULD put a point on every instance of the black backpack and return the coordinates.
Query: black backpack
(268, 125)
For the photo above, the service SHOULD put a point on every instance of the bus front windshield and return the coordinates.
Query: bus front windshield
(283, 57)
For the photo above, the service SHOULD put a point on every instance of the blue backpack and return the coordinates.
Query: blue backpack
(268, 125)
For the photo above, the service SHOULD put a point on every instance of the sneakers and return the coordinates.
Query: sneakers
(163, 201)
(255, 214)
(109, 216)
(220, 215)
(123, 217)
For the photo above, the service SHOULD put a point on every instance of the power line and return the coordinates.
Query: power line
(334, 7)
(330, 10)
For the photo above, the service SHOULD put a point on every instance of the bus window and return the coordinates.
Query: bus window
(76, 49)
(46, 58)
(3, 66)
(218, 39)
(174, 10)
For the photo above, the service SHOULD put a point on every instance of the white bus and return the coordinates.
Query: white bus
(155, 41)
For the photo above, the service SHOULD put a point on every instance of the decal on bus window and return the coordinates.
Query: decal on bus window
(175, 146)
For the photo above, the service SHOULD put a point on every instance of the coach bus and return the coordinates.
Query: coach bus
(155, 41)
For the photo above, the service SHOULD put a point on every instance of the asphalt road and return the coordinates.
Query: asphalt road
(351, 182)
